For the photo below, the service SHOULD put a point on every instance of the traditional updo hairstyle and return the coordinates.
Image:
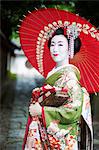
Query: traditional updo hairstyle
(77, 41)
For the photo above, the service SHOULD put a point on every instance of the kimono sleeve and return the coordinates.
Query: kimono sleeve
(70, 111)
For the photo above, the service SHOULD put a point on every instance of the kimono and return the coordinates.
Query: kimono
(64, 105)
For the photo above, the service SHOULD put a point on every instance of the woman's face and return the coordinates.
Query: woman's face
(59, 48)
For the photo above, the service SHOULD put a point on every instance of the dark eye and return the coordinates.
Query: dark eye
(51, 45)
(60, 44)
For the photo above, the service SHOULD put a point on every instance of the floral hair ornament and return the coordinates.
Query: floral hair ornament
(39, 25)
(72, 34)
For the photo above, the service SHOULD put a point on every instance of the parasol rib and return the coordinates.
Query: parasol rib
(91, 75)
(88, 78)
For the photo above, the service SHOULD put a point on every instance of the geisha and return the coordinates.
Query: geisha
(57, 107)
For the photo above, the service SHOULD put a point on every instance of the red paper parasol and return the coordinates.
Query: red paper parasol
(38, 25)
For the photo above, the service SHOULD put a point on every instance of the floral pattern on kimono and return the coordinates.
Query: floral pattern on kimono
(62, 122)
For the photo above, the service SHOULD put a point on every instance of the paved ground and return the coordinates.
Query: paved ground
(14, 111)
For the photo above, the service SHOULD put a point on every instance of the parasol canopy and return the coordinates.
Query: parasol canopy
(39, 25)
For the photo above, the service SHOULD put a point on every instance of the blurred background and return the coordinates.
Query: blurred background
(16, 80)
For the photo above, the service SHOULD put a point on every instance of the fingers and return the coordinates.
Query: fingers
(35, 109)
(32, 110)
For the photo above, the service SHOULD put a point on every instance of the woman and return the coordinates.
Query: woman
(59, 103)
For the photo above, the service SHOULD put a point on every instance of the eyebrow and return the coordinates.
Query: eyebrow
(58, 42)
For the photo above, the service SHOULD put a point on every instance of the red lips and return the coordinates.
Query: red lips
(55, 54)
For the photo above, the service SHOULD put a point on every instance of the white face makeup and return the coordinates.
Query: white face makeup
(59, 48)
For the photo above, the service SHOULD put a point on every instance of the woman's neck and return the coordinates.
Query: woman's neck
(62, 63)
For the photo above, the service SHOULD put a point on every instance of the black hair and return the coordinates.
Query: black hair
(77, 41)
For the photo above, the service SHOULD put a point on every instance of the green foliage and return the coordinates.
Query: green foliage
(66, 7)
(11, 75)
(12, 11)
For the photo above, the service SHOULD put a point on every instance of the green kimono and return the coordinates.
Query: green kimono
(62, 122)
(61, 111)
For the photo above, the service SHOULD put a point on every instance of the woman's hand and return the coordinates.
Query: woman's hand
(35, 109)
